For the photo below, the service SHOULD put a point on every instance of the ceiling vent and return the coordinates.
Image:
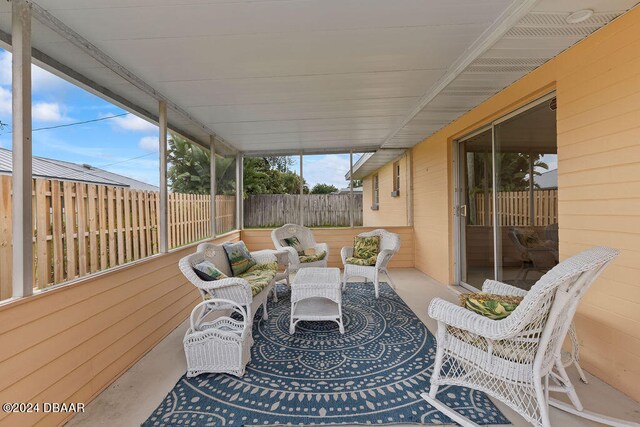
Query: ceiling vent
(556, 25)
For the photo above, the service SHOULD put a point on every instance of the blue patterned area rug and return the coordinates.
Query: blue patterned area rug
(373, 374)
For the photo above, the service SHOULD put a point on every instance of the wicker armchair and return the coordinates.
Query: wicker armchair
(305, 236)
(513, 359)
(389, 246)
(232, 288)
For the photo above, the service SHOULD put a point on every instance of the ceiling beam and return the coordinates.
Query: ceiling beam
(514, 13)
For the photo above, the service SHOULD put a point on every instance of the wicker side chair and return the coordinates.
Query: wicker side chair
(389, 246)
(305, 236)
(515, 359)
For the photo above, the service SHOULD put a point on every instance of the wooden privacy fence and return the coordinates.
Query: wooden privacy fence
(273, 210)
(514, 208)
(82, 228)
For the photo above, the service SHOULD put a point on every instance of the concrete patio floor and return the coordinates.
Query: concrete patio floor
(132, 398)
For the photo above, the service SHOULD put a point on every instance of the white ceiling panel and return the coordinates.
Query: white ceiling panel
(537, 37)
(305, 74)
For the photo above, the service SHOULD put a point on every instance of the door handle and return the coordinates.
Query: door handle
(463, 210)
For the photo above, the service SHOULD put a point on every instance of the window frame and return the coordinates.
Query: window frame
(396, 179)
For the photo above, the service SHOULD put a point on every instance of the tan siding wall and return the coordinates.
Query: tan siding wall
(392, 210)
(431, 191)
(598, 92)
(68, 344)
(337, 238)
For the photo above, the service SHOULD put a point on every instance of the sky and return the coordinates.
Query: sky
(126, 145)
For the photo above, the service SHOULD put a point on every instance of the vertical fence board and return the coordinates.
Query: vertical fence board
(69, 229)
(134, 225)
(126, 207)
(147, 230)
(58, 252)
(82, 228)
(93, 228)
(42, 231)
(142, 225)
(111, 224)
(6, 236)
(119, 227)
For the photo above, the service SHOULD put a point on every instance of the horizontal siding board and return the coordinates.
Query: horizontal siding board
(80, 337)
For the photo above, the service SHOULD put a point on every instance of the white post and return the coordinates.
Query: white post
(212, 172)
(239, 191)
(21, 146)
(164, 195)
(301, 192)
(410, 188)
(351, 213)
(531, 190)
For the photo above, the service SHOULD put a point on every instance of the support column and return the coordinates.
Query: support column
(351, 213)
(531, 190)
(21, 146)
(164, 194)
(301, 192)
(410, 188)
(239, 192)
(213, 188)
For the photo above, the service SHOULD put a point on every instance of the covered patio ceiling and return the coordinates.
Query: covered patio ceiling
(312, 76)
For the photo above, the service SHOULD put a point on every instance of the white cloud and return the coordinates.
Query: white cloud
(41, 80)
(5, 105)
(149, 143)
(47, 112)
(326, 169)
(5, 68)
(133, 123)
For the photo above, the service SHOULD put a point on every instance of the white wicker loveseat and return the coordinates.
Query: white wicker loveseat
(389, 246)
(237, 289)
(305, 236)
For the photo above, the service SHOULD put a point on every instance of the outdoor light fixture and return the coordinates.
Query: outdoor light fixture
(579, 16)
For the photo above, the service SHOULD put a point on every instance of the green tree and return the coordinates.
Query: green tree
(189, 172)
(323, 189)
(189, 169)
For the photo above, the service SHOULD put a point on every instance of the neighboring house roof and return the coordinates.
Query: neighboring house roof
(346, 190)
(548, 179)
(67, 171)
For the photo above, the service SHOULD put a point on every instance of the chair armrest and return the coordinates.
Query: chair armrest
(345, 253)
(233, 288)
(495, 287)
(461, 318)
(265, 256)
(293, 255)
(383, 258)
(322, 247)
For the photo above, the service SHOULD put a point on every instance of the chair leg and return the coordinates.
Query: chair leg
(543, 404)
(393, 285)
(344, 280)
(376, 285)
(265, 315)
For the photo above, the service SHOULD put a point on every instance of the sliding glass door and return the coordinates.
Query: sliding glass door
(506, 197)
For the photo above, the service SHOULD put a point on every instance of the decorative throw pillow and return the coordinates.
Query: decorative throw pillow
(493, 306)
(359, 261)
(208, 272)
(310, 252)
(366, 247)
(239, 257)
(313, 258)
(294, 243)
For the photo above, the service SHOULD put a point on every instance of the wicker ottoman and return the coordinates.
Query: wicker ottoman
(316, 295)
